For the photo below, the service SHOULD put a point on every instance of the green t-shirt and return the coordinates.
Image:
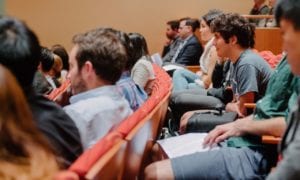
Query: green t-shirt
(281, 94)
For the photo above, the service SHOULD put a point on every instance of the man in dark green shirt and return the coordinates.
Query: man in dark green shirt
(287, 12)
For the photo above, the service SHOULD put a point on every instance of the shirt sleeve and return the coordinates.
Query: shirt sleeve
(288, 167)
(247, 79)
(142, 73)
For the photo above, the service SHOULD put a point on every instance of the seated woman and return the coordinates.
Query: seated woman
(55, 71)
(134, 94)
(60, 51)
(142, 72)
(185, 79)
(24, 153)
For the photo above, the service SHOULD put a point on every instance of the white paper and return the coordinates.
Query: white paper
(157, 59)
(184, 144)
(172, 67)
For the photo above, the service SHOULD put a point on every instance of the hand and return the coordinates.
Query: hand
(222, 132)
(168, 42)
(234, 107)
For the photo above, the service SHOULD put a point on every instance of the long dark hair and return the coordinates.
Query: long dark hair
(140, 46)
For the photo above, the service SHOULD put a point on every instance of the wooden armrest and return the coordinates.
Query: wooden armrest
(250, 105)
(193, 68)
(271, 139)
(261, 16)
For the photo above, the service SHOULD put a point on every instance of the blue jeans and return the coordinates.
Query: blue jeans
(184, 79)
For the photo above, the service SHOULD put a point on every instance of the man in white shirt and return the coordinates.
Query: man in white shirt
(96, 63)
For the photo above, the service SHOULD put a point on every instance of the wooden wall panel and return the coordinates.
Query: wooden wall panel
(56, 21)
(268, 39)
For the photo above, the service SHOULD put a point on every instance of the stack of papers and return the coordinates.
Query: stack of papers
(184, 144)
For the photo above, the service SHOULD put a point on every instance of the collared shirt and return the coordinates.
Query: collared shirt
(134, 94)
(173, 49)
(182, 44)
(96, 111)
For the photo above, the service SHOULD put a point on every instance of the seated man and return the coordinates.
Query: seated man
(249, 72)
(172, 35)
(96, 63)
(189, 49)
(20, 52)
(259, 8)
(242, 155)
(287, 15)
(195, 99)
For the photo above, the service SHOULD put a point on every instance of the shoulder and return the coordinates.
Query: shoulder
(95, 105)
(194, 40)
(264, 10)
(143, 62)
(46, 110)
(252, 58)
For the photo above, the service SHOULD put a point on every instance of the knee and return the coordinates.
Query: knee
(156, 153)
(184, 121)
(178, 73)
(150, 172)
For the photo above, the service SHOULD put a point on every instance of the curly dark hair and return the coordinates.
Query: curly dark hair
(104, 50)
(232, 24)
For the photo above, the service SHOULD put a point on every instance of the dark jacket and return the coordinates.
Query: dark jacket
(190, 52)
(57, 126)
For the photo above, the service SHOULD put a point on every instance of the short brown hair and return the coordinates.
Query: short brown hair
(104, 50)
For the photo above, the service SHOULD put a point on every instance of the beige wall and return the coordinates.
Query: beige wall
(56, 21)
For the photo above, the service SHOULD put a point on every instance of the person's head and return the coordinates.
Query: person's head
(57, 66)
(19, 50)
(172, 29)
(98, 57)
(22, 144)
(125, 40)
(62, 53)
(47, 59)
(139, 45)
(287, 13)
(232, 30)
(206, 20)
(187, 27)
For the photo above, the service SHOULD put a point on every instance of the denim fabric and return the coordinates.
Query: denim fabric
(135, 95)
(184, 79)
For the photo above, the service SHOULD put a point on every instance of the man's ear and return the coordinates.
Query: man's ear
(233, 40)
(87, 68)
